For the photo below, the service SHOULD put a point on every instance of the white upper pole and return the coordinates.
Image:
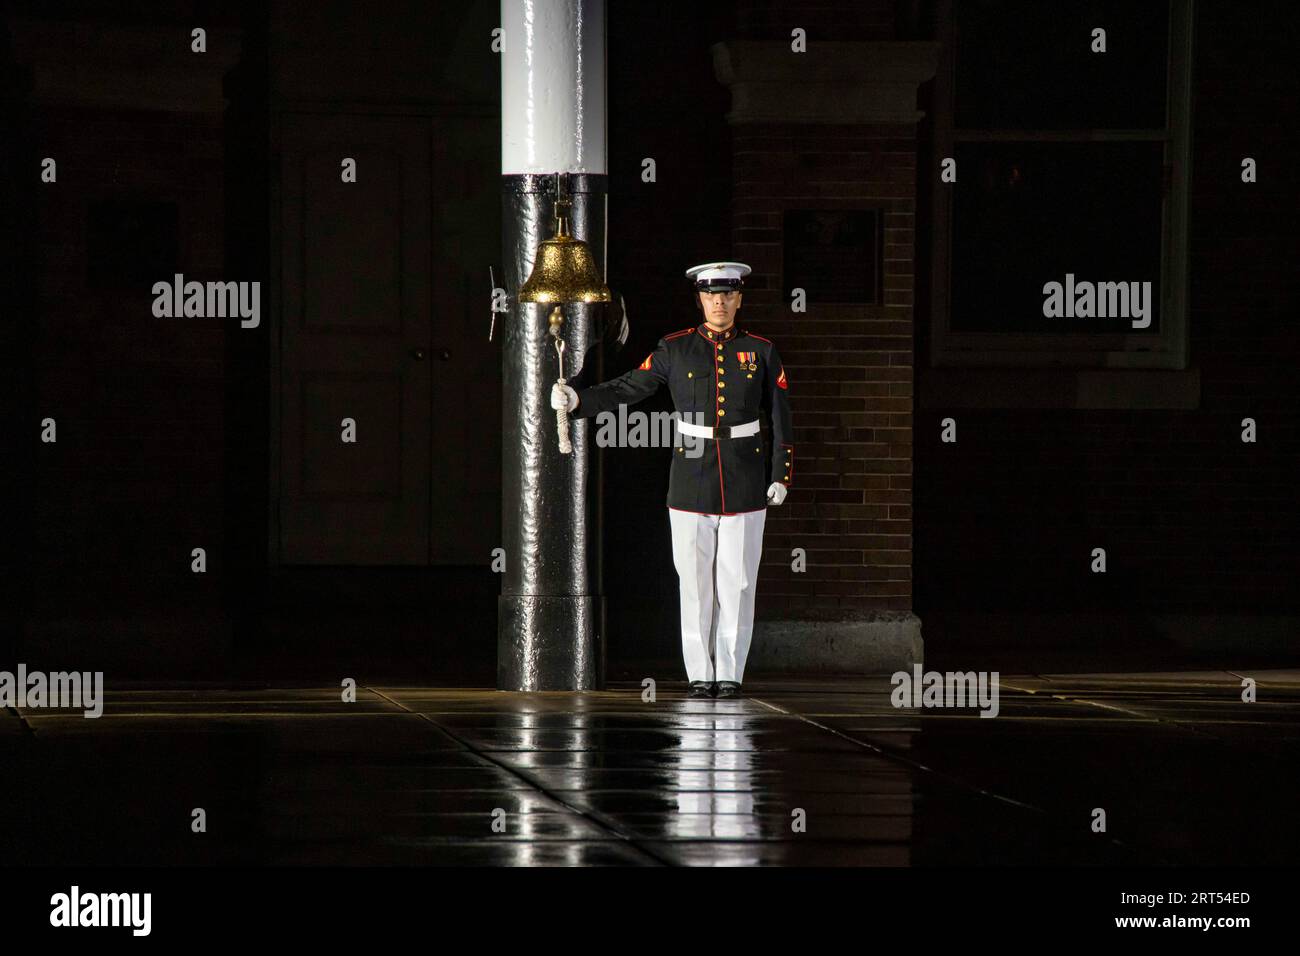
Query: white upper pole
(553, 86)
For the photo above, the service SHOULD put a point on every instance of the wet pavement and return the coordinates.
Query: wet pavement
(801, 772)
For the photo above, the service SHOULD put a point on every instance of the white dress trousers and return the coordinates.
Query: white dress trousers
(717, 558)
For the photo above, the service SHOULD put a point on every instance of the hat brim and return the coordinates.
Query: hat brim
(719, 285)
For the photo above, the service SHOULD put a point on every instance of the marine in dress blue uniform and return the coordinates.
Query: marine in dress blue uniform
(722, 378)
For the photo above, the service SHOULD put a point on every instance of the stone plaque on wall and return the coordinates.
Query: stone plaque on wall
(832, 254)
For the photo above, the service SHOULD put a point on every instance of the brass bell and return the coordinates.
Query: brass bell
(563, 270)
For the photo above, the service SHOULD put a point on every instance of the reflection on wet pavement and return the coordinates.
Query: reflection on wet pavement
(811, 772)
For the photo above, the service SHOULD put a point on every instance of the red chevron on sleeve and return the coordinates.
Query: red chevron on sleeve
(780, 379)
(645, 366)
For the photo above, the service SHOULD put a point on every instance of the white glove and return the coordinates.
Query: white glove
(562, 396)
(776, 493)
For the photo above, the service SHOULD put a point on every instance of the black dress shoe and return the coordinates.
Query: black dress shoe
(728, 688)
(700, 688)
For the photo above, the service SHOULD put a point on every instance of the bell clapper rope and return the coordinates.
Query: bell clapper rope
(561, 415)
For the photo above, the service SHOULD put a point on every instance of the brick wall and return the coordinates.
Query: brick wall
(849, 367)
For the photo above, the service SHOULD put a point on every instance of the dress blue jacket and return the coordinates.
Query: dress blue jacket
(716, 379)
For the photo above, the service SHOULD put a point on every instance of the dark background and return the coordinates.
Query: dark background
(166, 435)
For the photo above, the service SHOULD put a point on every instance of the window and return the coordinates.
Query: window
(1072, 168)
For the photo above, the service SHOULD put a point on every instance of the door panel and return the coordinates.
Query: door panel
(355, 340)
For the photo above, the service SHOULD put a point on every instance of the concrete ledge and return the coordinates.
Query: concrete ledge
(844, 82)
(879, 642)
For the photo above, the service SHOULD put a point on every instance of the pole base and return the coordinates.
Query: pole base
(550, 643)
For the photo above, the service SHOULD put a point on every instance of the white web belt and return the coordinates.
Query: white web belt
(722, 431)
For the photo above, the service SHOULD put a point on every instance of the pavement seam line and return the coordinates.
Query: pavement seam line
(890, 755)
(1153, 718)
(948, 778)
(592, 816)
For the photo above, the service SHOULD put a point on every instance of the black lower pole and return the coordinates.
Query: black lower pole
(550, 628)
